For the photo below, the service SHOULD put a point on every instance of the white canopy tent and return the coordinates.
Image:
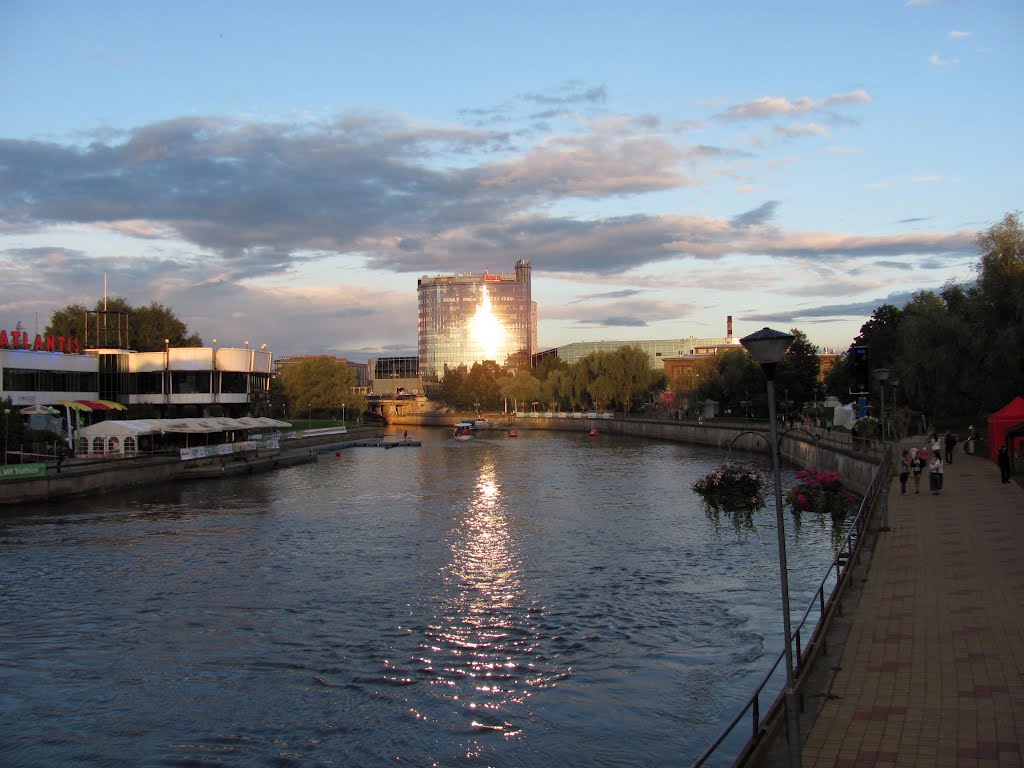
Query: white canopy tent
(122, 436)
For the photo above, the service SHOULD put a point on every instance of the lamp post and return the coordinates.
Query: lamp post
(767, 348)
(7, 412)
(893, 382)
(310, 406)
(881, 374)
(342, 413)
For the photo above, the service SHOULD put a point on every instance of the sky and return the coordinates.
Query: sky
(284, 173)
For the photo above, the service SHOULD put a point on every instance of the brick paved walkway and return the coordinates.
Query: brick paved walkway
(932, 672)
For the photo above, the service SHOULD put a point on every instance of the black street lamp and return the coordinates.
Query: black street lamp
(767, 347)
(7, 412)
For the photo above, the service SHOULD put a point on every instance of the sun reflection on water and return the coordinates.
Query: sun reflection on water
(484, 649)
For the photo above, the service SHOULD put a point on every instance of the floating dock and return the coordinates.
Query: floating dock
(375, 442)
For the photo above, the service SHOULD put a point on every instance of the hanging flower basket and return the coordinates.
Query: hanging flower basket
(820, 492)
(731, 488)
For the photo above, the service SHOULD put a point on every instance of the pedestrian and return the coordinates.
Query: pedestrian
(950, 444)
(904, 471)
(1003, 460)
(936, 444)
(935, 474)
(916, 467)
(406, 436)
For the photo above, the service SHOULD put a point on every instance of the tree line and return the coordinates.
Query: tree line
(957, 354)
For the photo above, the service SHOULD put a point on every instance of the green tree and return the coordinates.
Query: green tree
(145, 330)
(798, 370)
(321, 384)
(557, 387)
(482, 385)
(452, 390)
(730, 378)
(519, 388)
(933, 348)
(997, 316)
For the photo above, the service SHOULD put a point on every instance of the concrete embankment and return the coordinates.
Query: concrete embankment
(84, 477)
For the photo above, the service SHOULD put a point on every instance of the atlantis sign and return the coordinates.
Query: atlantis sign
(48, 343)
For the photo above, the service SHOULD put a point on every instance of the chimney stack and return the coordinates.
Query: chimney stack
(728, 327)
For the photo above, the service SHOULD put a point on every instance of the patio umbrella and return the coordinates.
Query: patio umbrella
(35, 410)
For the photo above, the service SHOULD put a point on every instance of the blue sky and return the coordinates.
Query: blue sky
(284, 173)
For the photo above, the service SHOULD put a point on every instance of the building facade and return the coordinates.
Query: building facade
(659, 350)
(176, 381)
(469, 318)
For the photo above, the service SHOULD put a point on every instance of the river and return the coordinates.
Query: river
(548, 600)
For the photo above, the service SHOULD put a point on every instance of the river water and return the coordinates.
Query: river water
(548, 600)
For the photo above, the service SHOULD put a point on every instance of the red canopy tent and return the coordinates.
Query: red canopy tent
(1007, 417)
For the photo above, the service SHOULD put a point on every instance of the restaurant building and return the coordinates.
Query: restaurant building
(178, 381)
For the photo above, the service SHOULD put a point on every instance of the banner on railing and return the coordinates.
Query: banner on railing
(21, 471)
(324, 431)
(227, 449)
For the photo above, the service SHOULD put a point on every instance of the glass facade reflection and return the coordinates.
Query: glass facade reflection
(469, 318)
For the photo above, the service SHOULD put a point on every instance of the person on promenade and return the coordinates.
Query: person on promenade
(950, 444)
(1003, 459)
(936, 444)
(935, 474)
(904, 471)
(916, 467)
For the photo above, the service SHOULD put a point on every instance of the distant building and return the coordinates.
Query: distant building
(659, 350)
(470, 318)
(394, 376)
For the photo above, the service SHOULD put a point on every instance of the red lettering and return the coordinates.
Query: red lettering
(16, 339)
(76, 346)
(4, 341)
(38, 345)
(51, 343)
(61, 344)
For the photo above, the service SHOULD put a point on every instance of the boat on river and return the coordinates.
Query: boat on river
(463, 430)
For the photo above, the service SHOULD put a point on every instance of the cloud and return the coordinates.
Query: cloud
(798, 130)
(623, 294)
(763, 213)
(570, 92)
(937, 61)
(617, 314)
(768, 107)
(827, 312)
(957, 34)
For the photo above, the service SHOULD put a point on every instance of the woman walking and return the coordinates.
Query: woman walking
(904, 471)
(935, 474)
(916, 467)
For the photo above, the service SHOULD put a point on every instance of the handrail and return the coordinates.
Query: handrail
(842, 564)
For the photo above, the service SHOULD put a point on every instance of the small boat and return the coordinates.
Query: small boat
(512, 433)
(463, 430)
(593, 432)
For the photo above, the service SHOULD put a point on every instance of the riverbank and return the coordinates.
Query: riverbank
(76, 478)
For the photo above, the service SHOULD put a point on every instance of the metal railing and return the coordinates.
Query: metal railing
(817, 620)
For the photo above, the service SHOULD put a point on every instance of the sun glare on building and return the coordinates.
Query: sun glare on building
(486, 330)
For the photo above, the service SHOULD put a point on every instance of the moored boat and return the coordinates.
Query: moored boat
(463, 430)
(512, 433)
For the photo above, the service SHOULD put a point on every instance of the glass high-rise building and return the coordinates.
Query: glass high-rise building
(469, 318)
